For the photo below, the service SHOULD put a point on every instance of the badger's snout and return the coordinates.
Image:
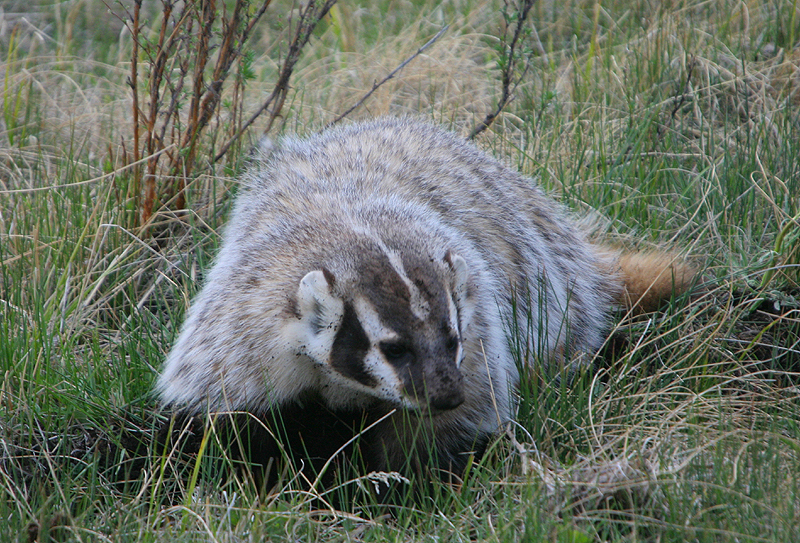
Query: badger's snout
(448, 400)
(438, 387)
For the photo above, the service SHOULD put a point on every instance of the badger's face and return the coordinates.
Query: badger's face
(398, 336)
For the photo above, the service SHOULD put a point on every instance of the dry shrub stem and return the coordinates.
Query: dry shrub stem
(197, 45)
(379, 84)
(137, 172)
(509, 57)
(310, 16)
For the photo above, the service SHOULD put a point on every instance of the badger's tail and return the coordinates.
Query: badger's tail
(652, 277)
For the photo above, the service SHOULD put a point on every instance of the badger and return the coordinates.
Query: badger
(364, 289)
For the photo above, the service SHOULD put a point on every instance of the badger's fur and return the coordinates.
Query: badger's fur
(372, 268)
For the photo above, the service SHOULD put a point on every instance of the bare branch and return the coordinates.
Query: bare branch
(510, 59)
(377, 85)
(134, 83)
(309, 18)
(177, 80)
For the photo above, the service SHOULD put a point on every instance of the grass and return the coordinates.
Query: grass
(672, 123)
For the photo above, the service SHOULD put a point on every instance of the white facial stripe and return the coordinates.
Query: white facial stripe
(389, 384)
(371, 322)
(453, 315)
(465, 304)
(419, 306)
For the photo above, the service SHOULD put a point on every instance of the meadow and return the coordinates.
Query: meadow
(659, 124)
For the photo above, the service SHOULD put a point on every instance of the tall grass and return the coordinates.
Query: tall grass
(663, 123)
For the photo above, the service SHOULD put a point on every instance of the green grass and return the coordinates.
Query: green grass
(666, 124)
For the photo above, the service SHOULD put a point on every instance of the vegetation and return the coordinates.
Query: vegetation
(672, 123)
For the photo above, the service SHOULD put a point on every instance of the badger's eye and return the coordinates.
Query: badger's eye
(395, 351)
(452, 344)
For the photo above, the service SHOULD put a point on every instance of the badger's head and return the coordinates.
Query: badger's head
(396, 334)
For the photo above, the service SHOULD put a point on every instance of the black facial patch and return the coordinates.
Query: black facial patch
(389, 292)
(389, 295)
(350, 346)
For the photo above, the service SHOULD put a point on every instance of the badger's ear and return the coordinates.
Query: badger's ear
(462, 294)
(320, 314)
(316, 302)
(460, 270)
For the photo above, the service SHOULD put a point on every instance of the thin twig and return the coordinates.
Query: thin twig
(137, 172)
(508, 72)
(680, 101)
(377, 85)
(156, 76)
(185, 71)
(309, 18)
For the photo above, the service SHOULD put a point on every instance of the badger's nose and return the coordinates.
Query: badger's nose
(450, 400)
(445, 387)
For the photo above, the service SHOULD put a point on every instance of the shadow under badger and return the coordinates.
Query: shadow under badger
(362, 288)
